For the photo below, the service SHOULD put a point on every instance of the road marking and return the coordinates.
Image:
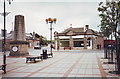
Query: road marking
(46, 66)
(103, 73)
(72, 67)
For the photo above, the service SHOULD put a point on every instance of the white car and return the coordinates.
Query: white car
(37, 47)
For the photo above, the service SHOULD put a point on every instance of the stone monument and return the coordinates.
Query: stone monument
(19, 45)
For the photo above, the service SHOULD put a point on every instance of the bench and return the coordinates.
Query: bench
(50, 54)
(67, 48)
(33, 58)
(2, 67)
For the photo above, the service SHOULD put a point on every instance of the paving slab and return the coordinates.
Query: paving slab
(65, 63)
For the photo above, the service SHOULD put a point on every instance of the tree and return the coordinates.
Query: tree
(43, 40)
(109, 17)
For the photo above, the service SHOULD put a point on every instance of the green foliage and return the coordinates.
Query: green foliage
(43, 40)
(109, 17)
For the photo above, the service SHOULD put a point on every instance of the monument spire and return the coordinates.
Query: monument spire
(19, 28)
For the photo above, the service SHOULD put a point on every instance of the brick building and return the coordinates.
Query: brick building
(78, 38)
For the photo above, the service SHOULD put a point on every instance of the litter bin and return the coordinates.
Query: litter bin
(45, 54)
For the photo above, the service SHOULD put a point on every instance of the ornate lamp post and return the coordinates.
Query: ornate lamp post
(51, 21)
(4, 33)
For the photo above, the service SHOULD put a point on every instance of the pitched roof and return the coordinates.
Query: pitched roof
(75, 30)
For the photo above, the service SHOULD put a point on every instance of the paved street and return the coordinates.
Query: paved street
(65, 63)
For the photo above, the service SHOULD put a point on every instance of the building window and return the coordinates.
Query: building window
(64, 43)
(78, 44)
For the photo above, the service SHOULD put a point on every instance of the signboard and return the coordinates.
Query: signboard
(109, 44)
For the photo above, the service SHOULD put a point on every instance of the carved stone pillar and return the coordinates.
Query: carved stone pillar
(58, 43)
(71, 42)
(55, 44)
(85, 42)
(94, 43)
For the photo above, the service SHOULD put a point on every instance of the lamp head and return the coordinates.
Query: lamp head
(49, 19)
(54, 19)
(46, 21)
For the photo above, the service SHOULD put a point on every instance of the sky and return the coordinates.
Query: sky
(75, 12)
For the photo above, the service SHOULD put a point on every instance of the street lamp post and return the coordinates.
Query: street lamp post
(4, 34)
(4, 56)
(51, 21)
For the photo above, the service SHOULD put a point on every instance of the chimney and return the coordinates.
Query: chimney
(33, 35)
(70, 26)
(86, 27)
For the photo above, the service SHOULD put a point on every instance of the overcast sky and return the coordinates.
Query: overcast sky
(75, 12)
